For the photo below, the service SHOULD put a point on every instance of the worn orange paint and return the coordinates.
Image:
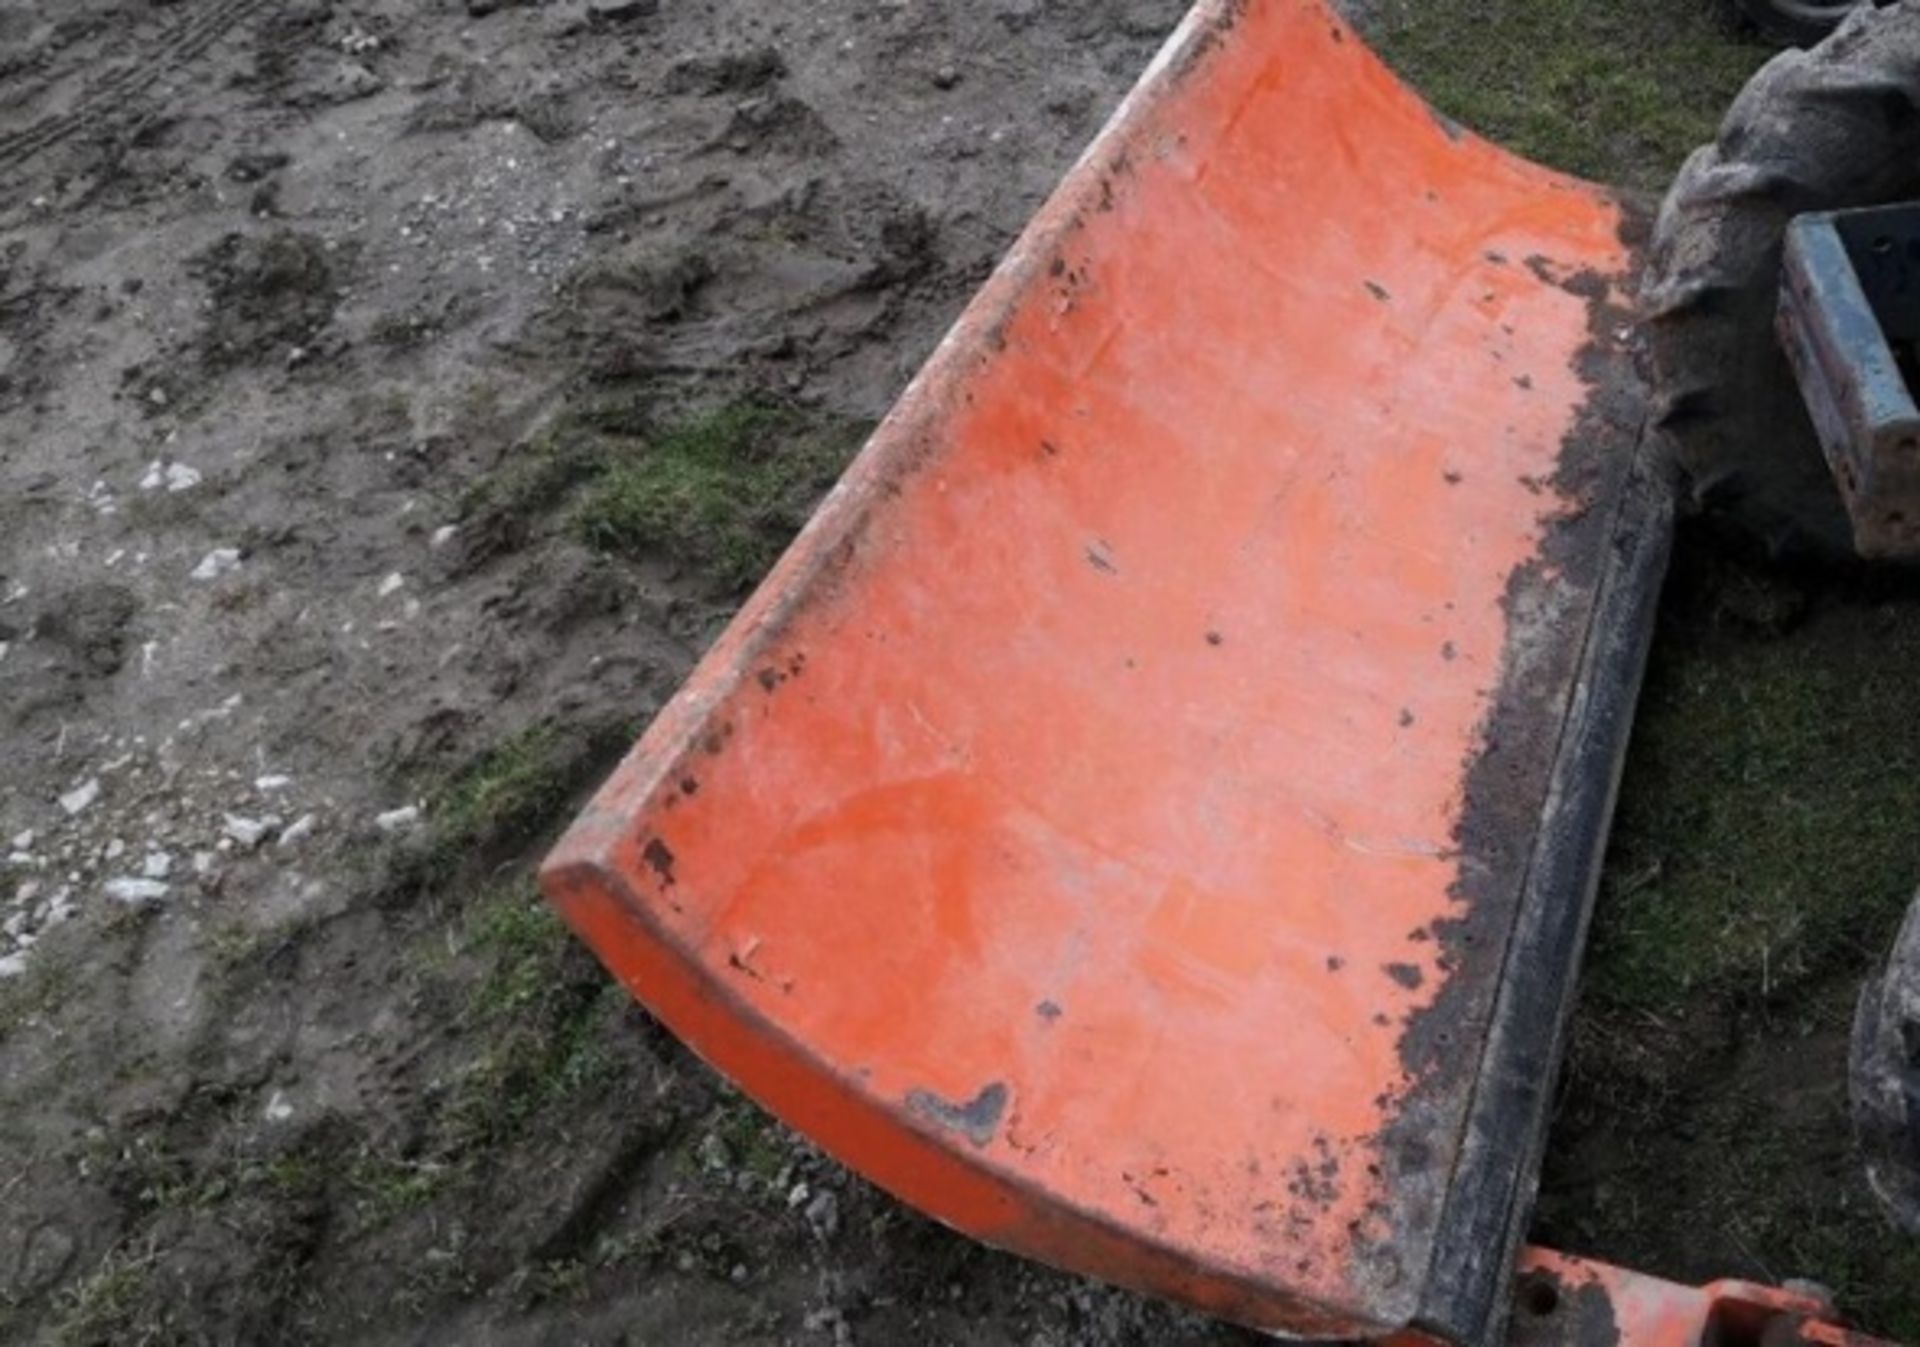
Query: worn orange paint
(1049, 835)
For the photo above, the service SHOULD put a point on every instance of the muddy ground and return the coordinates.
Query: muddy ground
(394, 400)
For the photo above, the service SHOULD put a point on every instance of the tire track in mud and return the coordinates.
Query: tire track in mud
(188, 40)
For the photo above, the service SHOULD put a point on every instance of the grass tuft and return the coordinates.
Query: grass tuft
(721, 491)
(1617, 92)
(726, 490)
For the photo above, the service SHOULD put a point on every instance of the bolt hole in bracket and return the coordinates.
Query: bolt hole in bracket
(1571, 1302)
(1849, 318)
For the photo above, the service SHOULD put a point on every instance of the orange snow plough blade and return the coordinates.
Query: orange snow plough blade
(1148, 820)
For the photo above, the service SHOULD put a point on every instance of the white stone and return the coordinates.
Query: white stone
(115, 849)
(23, 840)
(250, 832)
(393, 584)
(202, 862)
(155, 478)
(217, 563)
(135, 892)
(76, 800)
(298, 831)
(180, 477)
(398, 820)
(12, 965)
(266, 783)
(443, 535)
(157, 865)
(278, 1109)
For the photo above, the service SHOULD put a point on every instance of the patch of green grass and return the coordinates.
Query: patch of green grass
(1618, 92)
(505, 794)
(104, 1306)
(386, 1187)
(754, 1140)
(540, 1003)
(721, 491)
(526, 946)
(537, 475)
(1766, 834)
(37, 993)
(726, 490)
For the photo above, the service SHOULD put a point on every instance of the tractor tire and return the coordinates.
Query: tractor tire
(1829, 128)
(1886, 1079)
(1800, 23)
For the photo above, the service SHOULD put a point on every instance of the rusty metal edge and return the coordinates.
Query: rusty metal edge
(1490, 1199)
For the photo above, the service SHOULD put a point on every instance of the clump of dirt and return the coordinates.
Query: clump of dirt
(269, 296)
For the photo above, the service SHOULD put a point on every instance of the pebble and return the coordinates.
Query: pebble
(23, 841)
(12, 965)
(393, 584)
(76, 800)
(278, 1109)
(217, 563)
(823, 1214)
(271, 783)
(136, 892)
(443, 535)
(175, 477)
(946, 77)
(250, 832)
(298, 831)
(157, 865)
(398, 820)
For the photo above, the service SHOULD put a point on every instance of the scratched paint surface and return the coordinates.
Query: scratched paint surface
(1060, 834)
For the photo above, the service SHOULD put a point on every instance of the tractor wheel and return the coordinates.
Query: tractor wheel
(1824, 129)
(1799, 22)
(1886, 1079)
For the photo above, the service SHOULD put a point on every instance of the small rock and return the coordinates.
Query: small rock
(157, 396)
(298, 831)
(157, 865)
(202, 862)
(272, 783)
(823, 1214)
(393, 584)
(181, 478)
(798, 1196)
(115, 849)
(443, 535)
(76, 800)
(23, 841)
(12, 965)
(713, 1153)
(136, 892)
(217, 563)
(278, 1109)
(250, 832)
(350, 81)
(398, 820)
(946, 77)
